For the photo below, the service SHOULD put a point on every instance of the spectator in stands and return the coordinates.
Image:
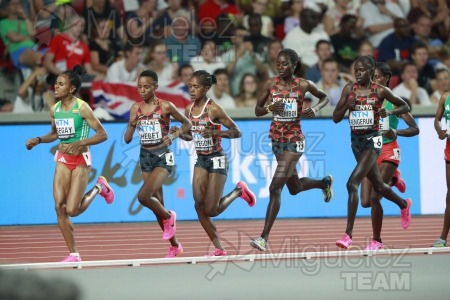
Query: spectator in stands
(129, 68)
(330, 82)
(33, 94)
(104, 52)
(345, 44)
(333, 16)
(444, 58)
(218, 92)
(293, 20)
(241, 59)
(378, 18)
(138, 23)
(248, 91)
(442, 85)
(323, 51)
(255, 37)
(422, 31)
(181, 45)
(438, 11)
(409, 88)
(96, 10)
(208, 59)
(303, 39)
(66, 50)
(17, 32)
(395, 48)
(165, 19)
(225, 30)
(184, 75)
(274, 47)
(427, 77)
(158, 61)
(213, 8)
(259, 7)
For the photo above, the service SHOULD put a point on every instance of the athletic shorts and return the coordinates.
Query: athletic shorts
(371, 141)
(151, 159)
(297, 147)
(214, 163)
(390, 153)
(447, 152)
(73, 161)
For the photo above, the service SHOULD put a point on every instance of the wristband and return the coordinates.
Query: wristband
(39, 140)
(268, 108)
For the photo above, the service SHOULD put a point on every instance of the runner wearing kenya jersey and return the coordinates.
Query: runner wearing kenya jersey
(211, 168)
(363, 99)
(286, 95)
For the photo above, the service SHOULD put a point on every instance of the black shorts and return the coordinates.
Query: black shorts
(151, 159)
(279, 147)
(213, 163)
(371, 141)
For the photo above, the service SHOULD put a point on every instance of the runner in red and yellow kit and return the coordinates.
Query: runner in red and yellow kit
(286, 94)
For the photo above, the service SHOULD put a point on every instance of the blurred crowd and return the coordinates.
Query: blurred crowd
(237, 40)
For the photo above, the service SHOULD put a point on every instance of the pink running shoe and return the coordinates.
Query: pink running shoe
(174, 251)
(170, 226)
(107, 192)
(374, 245)
(345, 242)
(247, 195)
(406, 215)
(72, 258)
(219, 252)
(399, 182)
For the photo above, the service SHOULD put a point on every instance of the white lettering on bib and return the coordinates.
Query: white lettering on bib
(290, 112)
(65, 128)
(150, 132)
(361, 119)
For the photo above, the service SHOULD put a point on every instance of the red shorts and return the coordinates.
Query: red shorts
(390, 153)
(447, 151)
(73, 161)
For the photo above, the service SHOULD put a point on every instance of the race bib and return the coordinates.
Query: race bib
(201, 143)
(87, 158)
(65, 128)
(219, 162)
(290, 112)
(170, 161)
(396, 154)
(150, 132)
(377, 142)
(384, 124)
(361, 119)
(300, 146)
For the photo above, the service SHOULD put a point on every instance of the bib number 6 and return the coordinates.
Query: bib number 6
(377, 142)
